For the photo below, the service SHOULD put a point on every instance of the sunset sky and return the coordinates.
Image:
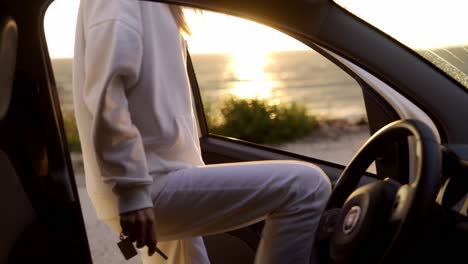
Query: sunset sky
(418, 23)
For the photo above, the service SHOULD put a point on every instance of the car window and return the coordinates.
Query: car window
(262, 86)
(434, 29)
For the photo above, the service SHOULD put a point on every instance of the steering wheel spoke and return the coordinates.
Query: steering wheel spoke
(402, 203)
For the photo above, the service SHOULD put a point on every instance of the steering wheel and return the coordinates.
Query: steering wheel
(370, 223)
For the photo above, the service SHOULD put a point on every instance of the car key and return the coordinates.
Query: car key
(126, 247)
(128, 250)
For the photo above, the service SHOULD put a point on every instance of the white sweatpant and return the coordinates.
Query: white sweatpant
(288, 195)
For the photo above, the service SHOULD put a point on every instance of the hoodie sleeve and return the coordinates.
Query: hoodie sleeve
(113, 58)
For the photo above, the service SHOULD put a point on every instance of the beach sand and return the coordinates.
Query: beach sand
(338, 145)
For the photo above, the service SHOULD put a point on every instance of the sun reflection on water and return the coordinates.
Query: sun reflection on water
(251, 79)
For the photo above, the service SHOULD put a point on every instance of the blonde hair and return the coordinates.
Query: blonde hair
(179, 17)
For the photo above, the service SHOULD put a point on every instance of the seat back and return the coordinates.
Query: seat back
(17, 211)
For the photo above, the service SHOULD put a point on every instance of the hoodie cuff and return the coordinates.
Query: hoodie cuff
(135, 198)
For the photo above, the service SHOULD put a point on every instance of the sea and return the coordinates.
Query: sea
(302, 77)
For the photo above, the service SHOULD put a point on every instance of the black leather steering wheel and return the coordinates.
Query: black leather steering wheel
(370, 223)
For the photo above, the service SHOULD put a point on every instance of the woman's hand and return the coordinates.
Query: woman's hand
(140, 227)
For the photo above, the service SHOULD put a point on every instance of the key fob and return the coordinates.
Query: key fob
(127, 248)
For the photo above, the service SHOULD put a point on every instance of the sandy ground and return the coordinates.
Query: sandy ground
(339, 147)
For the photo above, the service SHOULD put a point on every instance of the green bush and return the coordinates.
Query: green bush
(252, 120)
(257, 121)
(71, 132)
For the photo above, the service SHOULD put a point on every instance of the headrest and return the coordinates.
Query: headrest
(8, 43)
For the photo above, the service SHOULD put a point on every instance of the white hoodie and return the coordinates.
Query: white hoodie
(132, 102)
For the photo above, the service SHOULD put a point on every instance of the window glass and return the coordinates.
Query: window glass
(263, 86)
(435, 29)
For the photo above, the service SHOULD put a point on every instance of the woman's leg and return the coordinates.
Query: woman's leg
(288, 195)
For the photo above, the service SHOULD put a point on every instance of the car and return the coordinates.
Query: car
(412, 208)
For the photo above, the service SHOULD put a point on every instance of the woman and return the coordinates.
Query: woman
(143, 165)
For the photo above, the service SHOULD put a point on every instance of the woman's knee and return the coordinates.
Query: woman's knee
(311, 181)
